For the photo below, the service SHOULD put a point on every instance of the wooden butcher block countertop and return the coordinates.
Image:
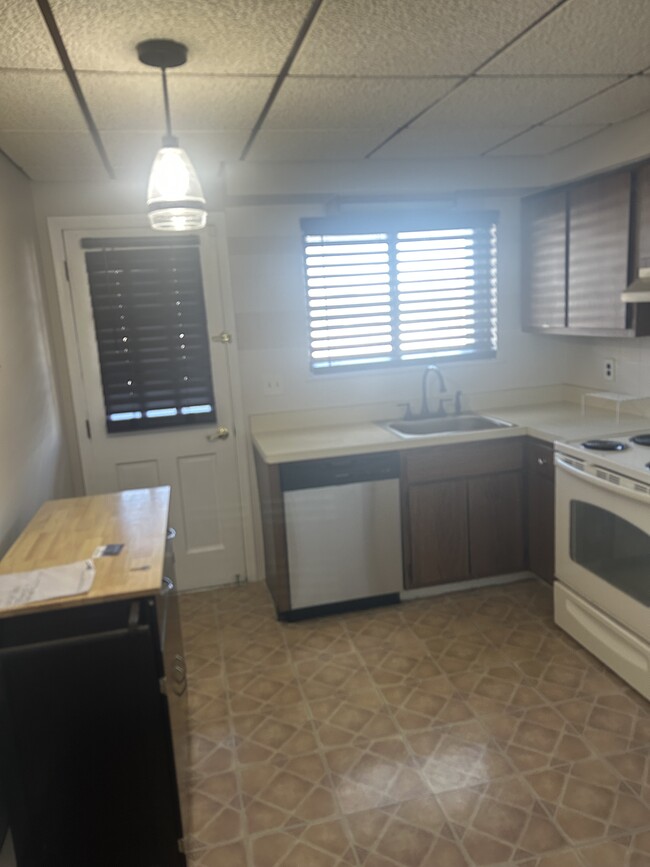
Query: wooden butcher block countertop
(68, 530)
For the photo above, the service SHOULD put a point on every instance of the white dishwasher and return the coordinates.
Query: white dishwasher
(343, 530)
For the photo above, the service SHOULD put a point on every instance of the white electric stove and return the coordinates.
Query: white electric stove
(602, 533)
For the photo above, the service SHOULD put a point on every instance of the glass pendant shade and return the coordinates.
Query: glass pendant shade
(174, 197)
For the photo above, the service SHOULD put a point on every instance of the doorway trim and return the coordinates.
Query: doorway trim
(56, 227)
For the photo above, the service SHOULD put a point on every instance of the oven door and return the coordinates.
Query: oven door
(603, 543)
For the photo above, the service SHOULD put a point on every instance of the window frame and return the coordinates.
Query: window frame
(391, 224)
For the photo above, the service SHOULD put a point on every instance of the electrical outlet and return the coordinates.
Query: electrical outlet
(273, 385)
(609, 369)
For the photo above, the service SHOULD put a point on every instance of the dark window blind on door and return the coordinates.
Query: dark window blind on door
(150, 325)
(398, 289)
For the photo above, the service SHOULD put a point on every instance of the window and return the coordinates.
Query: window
(152, 339)
(386, 291)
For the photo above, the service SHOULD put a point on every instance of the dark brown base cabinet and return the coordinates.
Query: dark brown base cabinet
(463, 512)
(91, 734)
(541, 509)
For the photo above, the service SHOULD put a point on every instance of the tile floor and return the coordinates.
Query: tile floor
(447, 732)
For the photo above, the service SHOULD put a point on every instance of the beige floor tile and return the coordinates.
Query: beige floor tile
(456, 731)
(286, 793)
(323, 844)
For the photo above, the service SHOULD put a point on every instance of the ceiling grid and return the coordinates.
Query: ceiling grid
(301, 80)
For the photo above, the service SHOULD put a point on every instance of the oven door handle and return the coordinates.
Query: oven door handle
(627, 492)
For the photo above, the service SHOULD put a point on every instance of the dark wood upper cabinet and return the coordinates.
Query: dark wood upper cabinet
(545, 248)
(581, 244)
(642, 234)
(599, 232)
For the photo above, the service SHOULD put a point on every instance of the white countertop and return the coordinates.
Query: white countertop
(550, 422)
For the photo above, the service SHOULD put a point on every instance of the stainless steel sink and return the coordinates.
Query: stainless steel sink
(426, 427)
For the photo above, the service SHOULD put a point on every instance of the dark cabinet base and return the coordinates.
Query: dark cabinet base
(85, 746)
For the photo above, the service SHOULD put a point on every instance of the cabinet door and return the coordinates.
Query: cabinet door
(544, 245)
(437, 533)
(541, 510)
(496, 528)
(86, 754)
(643, 218)
(599, 223)
(176, 694)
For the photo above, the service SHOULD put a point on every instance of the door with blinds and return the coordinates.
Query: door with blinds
(156, 407)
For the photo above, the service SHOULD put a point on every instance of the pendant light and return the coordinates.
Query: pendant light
(175, 199)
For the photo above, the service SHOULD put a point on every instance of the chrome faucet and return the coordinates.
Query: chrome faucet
(425, 412)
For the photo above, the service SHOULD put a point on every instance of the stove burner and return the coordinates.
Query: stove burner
(641, 439)
(605, 445)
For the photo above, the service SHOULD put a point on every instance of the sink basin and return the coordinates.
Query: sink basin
(425, 427)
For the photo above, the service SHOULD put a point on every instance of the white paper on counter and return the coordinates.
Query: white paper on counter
(20, 588)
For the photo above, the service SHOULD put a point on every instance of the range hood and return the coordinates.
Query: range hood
(639, 289)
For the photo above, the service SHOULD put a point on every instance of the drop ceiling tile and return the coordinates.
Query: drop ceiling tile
(544, 140)
(249, 37)
(594, 37)
(353, 103)
(444, 142)
(627, 99)
(323, 145)
(26, 42)
(37, 100)
(54, 156)
(132, 153)
(420, 37)
(198, 102)
(495, 102)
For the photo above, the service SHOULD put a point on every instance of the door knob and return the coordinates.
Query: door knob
(221, 433)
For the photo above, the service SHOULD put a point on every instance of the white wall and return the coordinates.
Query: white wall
(586, 358)
(263, 205)
(33, 455)
(269, 296)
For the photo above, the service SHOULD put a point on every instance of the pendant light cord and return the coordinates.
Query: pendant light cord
(170, 139)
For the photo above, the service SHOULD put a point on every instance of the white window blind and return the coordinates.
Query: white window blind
(389, 291)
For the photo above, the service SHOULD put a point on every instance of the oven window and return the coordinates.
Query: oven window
(615, 550)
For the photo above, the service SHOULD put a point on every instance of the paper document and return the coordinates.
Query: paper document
(19, 588)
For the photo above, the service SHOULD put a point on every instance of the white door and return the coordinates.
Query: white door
(197, 459)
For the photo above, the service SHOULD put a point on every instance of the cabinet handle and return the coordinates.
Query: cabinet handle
(168, 586)
(542, 462)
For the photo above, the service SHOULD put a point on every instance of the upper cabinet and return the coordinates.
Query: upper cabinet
(580, 245)
(642, 233)
(599, 233)
(545, 248)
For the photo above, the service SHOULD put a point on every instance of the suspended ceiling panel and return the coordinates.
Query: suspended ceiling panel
(131, 153)
(627, 99)
(59, 156)
(444, 142)
(251, 37)
(493, 102)
(544, 140)
(353, 103)
(209, 102)
(25, 42)
(319, 144)
(583, 37)
(421, 37)
(35, 100)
